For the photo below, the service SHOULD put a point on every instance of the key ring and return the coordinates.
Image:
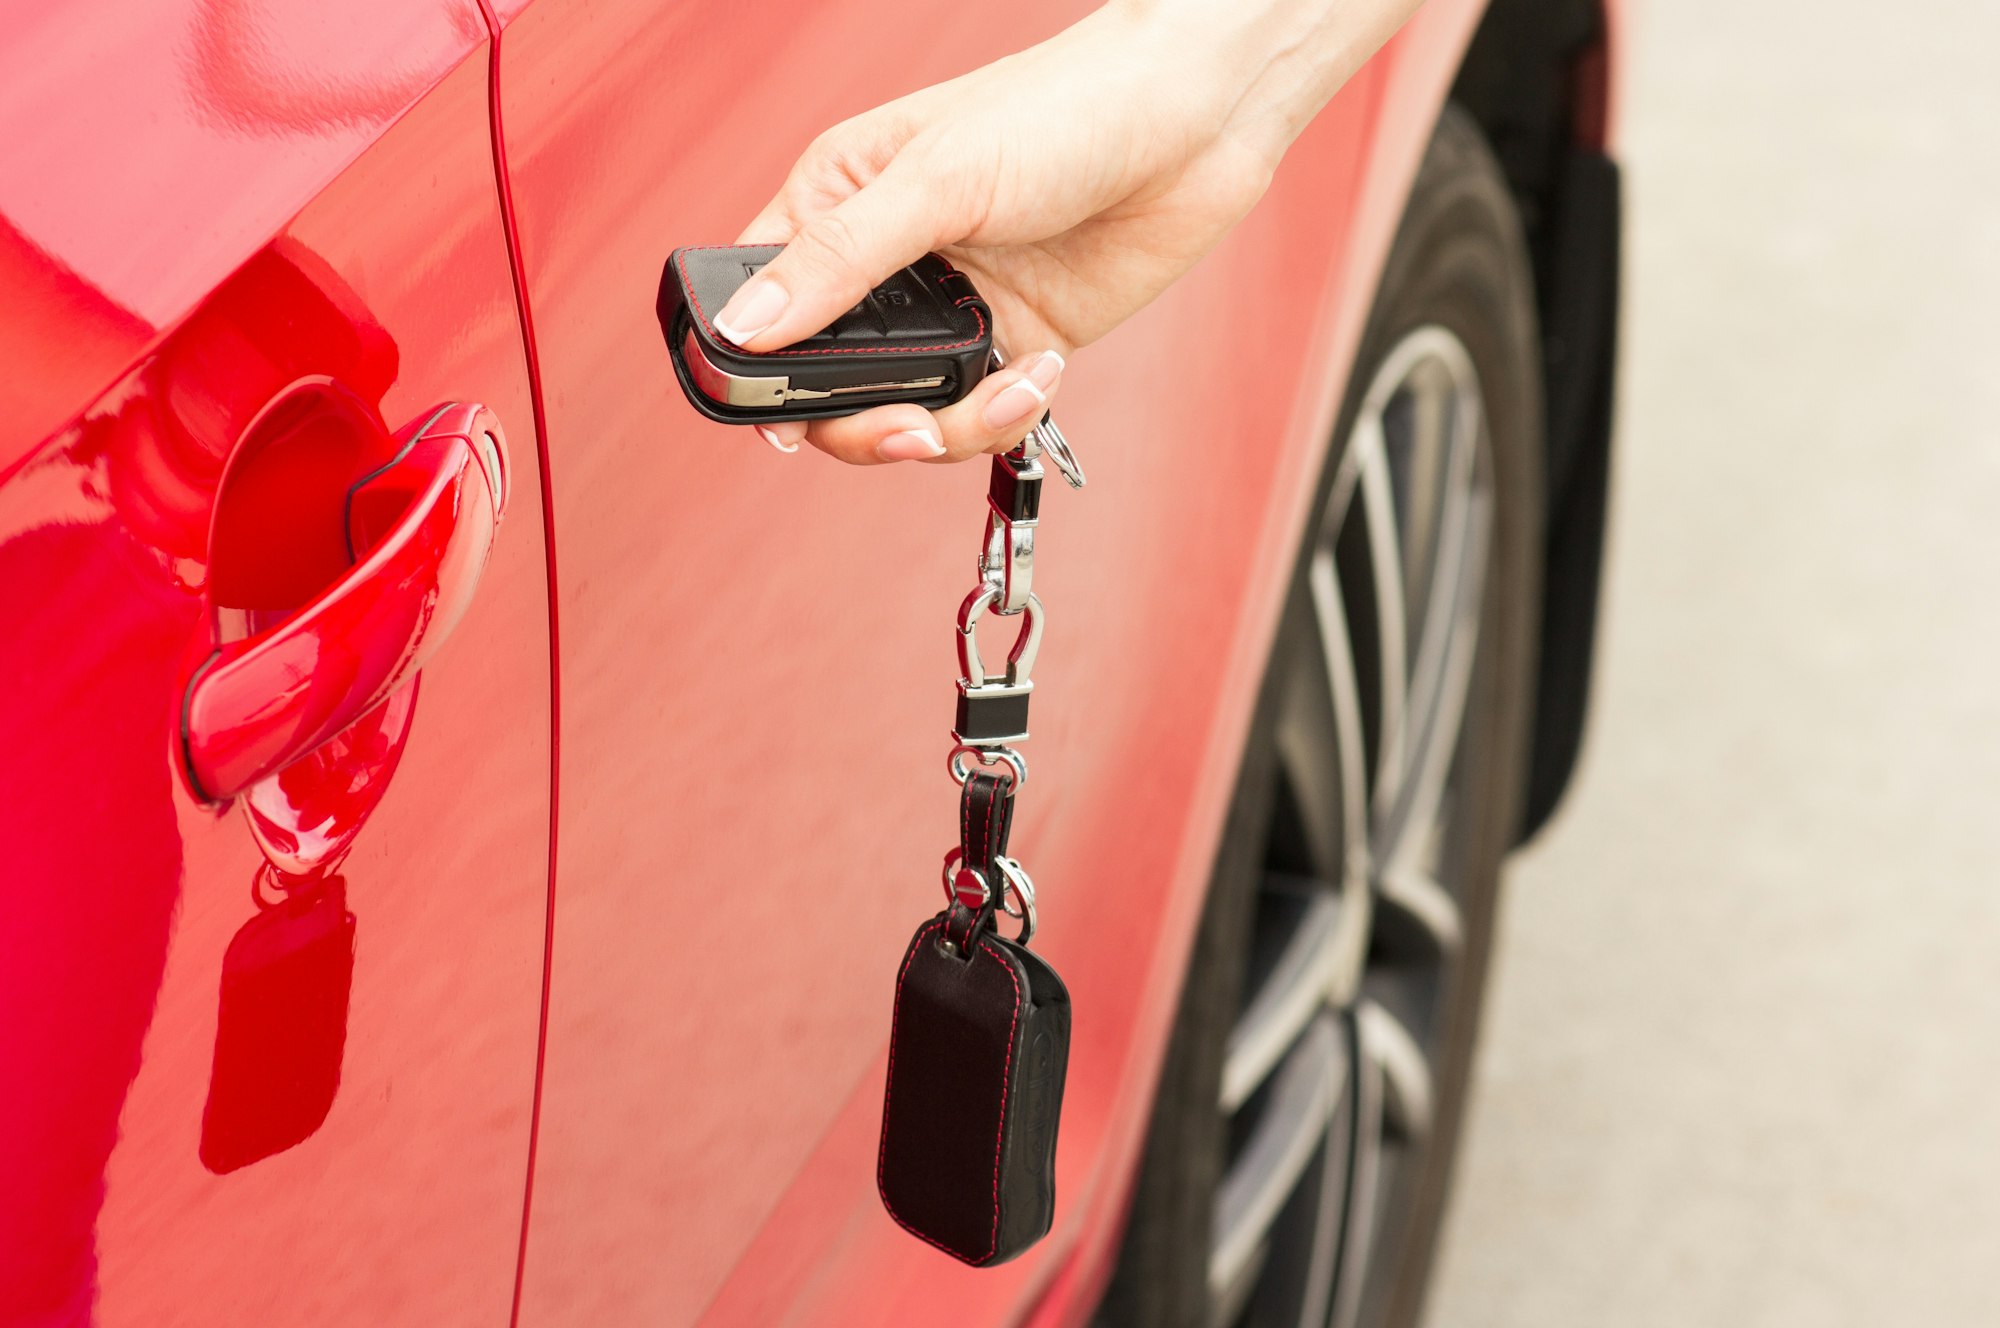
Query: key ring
(1019, 887)
(987, 756)
(1057, 446)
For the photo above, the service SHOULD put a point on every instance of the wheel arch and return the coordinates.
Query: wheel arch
(1540, 79)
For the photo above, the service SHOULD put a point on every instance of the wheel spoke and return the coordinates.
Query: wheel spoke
(1303, 1095)
(1389, 1049)
(1320, 963)
(1448, 639)
(1358, 1223)
(1415, 915)
(1375, 586)
(1324, 758)
(1421, 426)
(1226, 1303)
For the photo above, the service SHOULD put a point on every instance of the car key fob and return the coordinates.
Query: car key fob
(923, 336)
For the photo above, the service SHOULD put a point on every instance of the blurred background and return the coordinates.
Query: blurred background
(1742, 1056)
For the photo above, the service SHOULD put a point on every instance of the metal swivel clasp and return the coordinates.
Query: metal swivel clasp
(993, 712)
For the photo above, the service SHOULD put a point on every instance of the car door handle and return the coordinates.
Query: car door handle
(419, 530)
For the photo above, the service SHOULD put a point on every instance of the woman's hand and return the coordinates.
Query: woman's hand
(1073, 182)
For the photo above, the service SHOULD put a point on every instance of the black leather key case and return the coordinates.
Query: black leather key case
(977, 1058)
(924, 335)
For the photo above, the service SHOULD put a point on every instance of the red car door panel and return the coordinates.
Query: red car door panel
(757, 661)
(208, 205)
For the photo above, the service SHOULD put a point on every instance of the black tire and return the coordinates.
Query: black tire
(1459, 264)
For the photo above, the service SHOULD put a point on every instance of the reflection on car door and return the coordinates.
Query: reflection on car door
(232, 1097)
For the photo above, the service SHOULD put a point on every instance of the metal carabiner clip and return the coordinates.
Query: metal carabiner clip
(1020, 660)
(1007, 557)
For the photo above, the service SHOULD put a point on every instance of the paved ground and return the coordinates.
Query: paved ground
(1742, 1061)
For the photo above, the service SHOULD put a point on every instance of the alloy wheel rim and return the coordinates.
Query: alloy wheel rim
(1328, 1076)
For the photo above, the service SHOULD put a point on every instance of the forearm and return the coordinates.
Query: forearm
(1276, 62)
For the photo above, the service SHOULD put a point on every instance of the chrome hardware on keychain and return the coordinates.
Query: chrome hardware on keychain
(1046, 437)
(1020, 887)
(992, 713)
(967, 887)
(1014, 500)
(985, 756)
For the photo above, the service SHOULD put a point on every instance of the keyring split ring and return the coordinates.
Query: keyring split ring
(960, 771)
(1020, 887)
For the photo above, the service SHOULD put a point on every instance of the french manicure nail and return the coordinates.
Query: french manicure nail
(1013, 404)
(1043, 369)
(910, 445)
(751, 309)
(772, 438)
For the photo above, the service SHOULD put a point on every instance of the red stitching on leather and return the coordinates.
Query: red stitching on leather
(888, 1095)
(1006, 1082)
(986, 832)
(687, 284)
(889, 1089)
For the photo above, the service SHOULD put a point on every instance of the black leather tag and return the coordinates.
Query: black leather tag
(977, 1057)
(281, 1028)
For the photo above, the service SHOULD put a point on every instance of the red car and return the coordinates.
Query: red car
(350, 515)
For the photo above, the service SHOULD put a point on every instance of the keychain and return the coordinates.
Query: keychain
(979, 1038)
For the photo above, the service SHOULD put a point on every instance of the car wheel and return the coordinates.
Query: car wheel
(1309, 1104)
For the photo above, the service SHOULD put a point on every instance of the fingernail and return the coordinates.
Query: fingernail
(775, 441)
(910, 445)
(1043, 369)
(754, 307)
(1013, 405)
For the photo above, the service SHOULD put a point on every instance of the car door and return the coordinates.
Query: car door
(259, 292)
(758, 669)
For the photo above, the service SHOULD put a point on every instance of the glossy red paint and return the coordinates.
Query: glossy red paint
(306, 816)
(413, 517)
(211, 202)
(153, 147)
(751, 822)
(757, 665)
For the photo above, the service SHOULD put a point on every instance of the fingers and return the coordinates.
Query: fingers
(999, 412)
(887, 433)
(784, 435)
(993, 417)
(833, 260)
(774, 225)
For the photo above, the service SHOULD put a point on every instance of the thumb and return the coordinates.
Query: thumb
(834, 260)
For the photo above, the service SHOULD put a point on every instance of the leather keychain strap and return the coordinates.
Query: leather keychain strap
(985, 816)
